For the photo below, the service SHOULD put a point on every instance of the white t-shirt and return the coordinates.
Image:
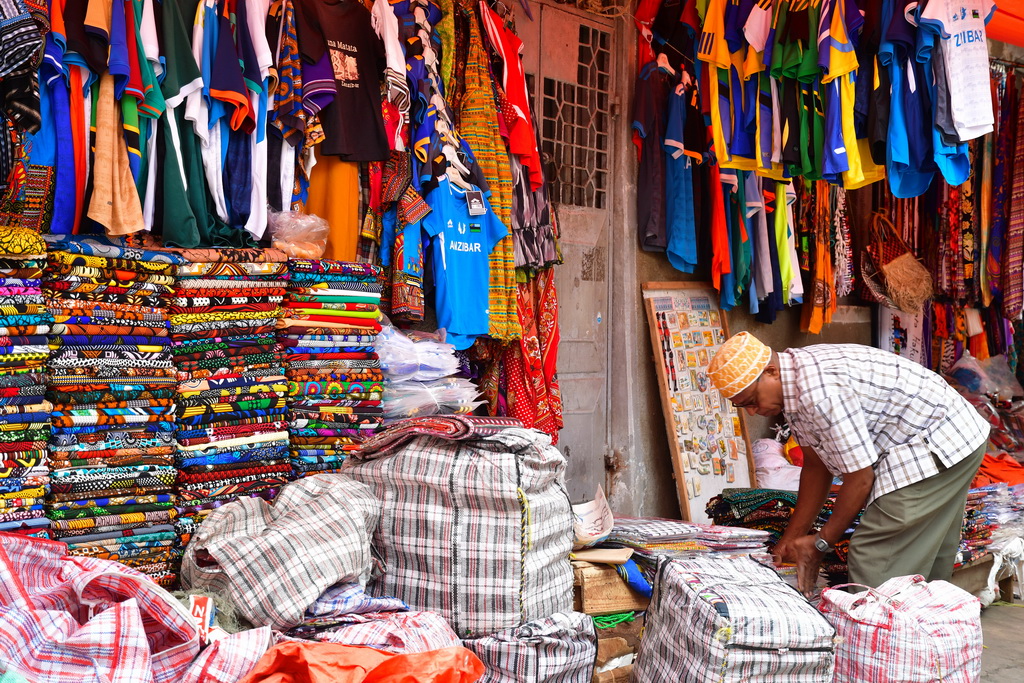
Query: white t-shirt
(961, 26)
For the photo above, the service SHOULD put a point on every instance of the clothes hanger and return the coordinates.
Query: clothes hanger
(457, 179)
(454, 161)
(663, 62)
(685, 82)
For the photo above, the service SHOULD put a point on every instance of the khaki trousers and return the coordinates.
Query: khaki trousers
(915, 529)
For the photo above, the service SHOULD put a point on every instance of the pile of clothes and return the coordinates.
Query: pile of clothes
(335, 386)
(231, 403)
(111, 383)
(652, 539)
(24, 410)
(769, 510)
(764, 509)
(976, 536)
(835, 564)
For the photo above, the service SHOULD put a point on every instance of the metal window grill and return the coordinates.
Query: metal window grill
(575, 124)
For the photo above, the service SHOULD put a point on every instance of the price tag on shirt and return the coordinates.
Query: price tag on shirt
(475, 203)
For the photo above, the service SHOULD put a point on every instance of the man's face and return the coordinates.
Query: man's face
(764, 396)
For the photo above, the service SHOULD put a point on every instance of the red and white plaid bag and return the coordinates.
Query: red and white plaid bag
(908, 630)
(68, 619)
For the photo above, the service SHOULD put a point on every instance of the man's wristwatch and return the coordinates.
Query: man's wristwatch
(821, 544)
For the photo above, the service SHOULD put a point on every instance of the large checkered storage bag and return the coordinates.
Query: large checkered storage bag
(274, 561)
(908, 630)
(479, 531)
(715, 620)
(561, 648)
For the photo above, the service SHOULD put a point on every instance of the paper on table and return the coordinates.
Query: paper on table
(604, 555)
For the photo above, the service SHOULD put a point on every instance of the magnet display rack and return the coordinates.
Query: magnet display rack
(707, 436)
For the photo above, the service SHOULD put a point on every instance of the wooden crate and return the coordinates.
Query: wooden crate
(973, 577)
(598, 589)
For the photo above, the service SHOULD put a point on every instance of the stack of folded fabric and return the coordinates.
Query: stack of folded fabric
(769, 510)
(24, 411)
(231, 404)
(652, 538)
(335, 386)
(976, 535)
(763, 509)
(834, 565)
(112, 385)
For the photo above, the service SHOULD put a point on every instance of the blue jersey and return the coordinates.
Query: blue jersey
(681, 223)
(461, 245)
(909, 162)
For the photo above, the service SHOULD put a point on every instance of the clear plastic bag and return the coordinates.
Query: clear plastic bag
(299, 235)
(448, 396)
(1004, 382)
(969, 374)
(414, 356)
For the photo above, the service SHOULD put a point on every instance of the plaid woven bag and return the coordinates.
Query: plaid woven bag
(561, 648)
(716, 620)
(479, 530)
(274, 561)
(908, 630)
(68, 619)
(398, 632)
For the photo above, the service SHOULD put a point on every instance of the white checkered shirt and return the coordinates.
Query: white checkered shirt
(858, 407)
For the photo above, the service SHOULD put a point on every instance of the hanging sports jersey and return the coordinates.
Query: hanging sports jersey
(961, 25)
(462, 240)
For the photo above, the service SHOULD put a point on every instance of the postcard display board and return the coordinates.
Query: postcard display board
(706, 434)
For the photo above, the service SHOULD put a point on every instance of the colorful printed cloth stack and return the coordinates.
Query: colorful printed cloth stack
(765, 509)
(652, 539)
(24, 410)
(112, 385)
(976, 535)
(335, 384)
(231, 406)
(769, 510)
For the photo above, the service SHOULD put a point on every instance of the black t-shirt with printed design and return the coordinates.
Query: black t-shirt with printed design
(353, 125)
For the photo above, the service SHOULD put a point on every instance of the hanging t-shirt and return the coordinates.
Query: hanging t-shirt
(521, 136)
(181, 77)
(739, 240)
(909, 164)
(954, 159)
(961, 25)
(756, 217)
(732, 97)
(729, 187)
(461, 244)
(649, 109)
(680, 220)
(353, 124)
(85, 49)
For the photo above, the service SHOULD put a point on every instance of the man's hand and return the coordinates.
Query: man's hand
(784, 551)
(808, 562)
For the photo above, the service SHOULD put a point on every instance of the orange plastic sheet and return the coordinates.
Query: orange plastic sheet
(308, 662)
(1007, 24)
